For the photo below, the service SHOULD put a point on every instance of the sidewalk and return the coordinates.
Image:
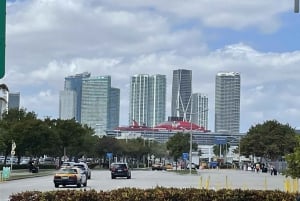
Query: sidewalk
(24, 173)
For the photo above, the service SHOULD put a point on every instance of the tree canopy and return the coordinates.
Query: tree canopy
(270, 140)
(180, 143)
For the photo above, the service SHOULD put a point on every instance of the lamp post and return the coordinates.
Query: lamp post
(191, 144)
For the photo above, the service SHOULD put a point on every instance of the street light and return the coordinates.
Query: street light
(191, 138)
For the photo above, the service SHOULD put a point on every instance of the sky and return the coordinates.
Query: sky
(48, 40)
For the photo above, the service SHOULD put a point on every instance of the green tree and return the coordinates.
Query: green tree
(224, 149)
(270, 140)
(178, 144)
(8, 124)
(293, 161)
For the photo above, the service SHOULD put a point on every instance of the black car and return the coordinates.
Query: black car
(120, 170)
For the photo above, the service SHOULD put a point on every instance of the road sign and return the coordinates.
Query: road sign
(2, 36)
(109, 155)
(220, 140)
(185, 156)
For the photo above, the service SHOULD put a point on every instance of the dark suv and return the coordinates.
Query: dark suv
(120, 170)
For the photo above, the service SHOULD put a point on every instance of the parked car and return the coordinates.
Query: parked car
(120, 170)
(85, 168)
(70, 176)
(194, 166)
(158, 166)
(168, 166)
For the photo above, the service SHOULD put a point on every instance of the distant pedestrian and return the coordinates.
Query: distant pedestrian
(272, 170)
(257, 167)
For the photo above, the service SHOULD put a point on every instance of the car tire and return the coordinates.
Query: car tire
(85, 184)
(78, 185)
(113, 177)
(56, 185)
(129, 177)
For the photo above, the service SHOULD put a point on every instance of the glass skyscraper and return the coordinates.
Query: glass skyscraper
(14, 100)
(67, 104)
(147, 99)
(181, 93)
(74, 83)
(227, 102)
(200, 110)
(157, 100)
(100, 104)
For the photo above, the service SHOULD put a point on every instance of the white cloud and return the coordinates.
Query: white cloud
(48, 40)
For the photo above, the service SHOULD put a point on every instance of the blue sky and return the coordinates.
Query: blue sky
(47, 40)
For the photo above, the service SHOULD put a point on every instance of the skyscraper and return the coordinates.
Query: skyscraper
(200, 110)
(67, 104)
(227, 102)
(99, 110)
(74, 83)
(14, 100)
(157, 100)
(181, 93)
(147, 99)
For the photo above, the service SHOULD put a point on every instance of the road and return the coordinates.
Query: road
(101, 180)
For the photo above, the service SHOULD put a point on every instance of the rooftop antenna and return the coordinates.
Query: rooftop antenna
(296, 8)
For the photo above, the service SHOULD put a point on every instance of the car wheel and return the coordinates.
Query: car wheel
(113, 177)
(129, 177)
(56, 185)
(85, 184)
(78, 185)
(89, 177)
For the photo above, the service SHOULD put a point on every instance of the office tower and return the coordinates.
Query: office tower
(114, 108)
(67, 104)
(199, 114)
(181, 93)
(99, 110)
(147, 99)
(227, 102)
(74, 83)
(157, 100)
(14, 100)
(139, 98)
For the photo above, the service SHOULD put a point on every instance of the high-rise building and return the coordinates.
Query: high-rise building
(147, 99)
(67, 104)
(227, 102)
(114, 108)
(99, 110)
(14, 100)
(157, 100)
(74, 83)
(181, 93)
(199, 114)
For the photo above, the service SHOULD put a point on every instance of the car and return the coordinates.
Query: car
(67, 164)
(70, 176)
(194, 166)
(85, 168)
(120, 170)
(168, 166)
(158, 166)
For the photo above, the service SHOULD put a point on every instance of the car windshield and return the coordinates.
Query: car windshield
(68, 170)
(119, 165)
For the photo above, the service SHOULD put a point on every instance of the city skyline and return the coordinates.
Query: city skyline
(47, 40)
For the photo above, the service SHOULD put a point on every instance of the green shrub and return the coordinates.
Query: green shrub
(156, 194)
